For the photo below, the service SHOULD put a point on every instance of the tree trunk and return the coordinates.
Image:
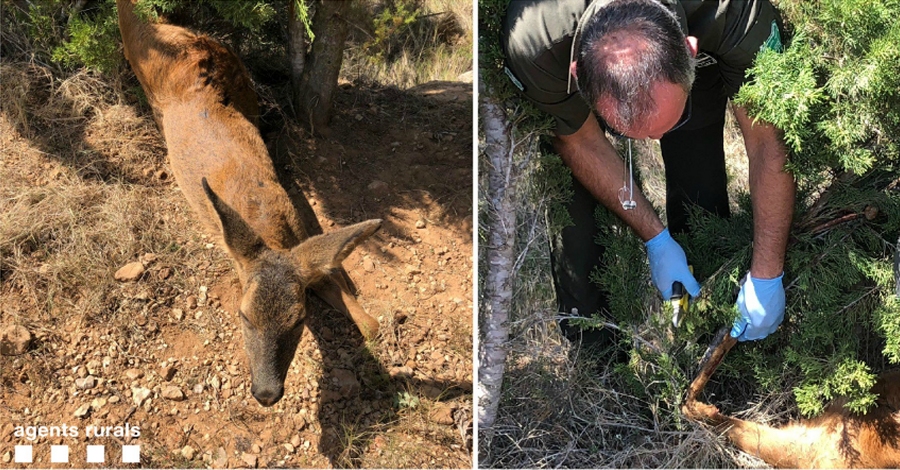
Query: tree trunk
(500, 254)
(313, 96)
(297, 45)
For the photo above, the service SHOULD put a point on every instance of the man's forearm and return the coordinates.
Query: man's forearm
(595, 164)
(772, 193)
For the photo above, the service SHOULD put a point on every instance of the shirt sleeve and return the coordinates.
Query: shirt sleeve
(541, 74)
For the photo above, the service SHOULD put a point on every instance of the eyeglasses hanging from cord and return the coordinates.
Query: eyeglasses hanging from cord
(626, 192)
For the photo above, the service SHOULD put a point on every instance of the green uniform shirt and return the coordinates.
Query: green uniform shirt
(538, 42)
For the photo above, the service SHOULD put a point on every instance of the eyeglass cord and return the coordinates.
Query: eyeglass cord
(628, 184)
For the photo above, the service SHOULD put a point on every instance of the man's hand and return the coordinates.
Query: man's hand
(761, 305)
(669, 264)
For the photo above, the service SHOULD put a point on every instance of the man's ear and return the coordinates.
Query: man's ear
(316, 257)
(242, 242)
(573, 70)
(693, 45)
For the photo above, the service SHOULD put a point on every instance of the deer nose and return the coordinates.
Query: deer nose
(267, 396)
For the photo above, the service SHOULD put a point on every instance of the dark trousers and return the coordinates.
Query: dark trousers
(694, 158)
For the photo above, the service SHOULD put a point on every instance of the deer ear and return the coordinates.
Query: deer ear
(242, 242)
(316, 257)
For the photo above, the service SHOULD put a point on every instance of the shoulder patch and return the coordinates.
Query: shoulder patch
(774, 41)
(705, 60)
(513, 78)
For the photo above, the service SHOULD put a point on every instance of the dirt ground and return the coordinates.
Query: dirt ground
(86, 190)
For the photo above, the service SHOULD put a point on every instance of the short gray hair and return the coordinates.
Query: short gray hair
(663, 56)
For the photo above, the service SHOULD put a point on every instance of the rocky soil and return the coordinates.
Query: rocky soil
(154, 343)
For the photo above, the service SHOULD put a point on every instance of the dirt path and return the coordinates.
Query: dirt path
(165, 354)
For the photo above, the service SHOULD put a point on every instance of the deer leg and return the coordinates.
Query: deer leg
(336, 292)
(718, 348)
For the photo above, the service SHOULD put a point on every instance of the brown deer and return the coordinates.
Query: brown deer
(204, 105)
(835, 439)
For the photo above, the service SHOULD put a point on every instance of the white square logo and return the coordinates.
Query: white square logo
(95, 454)
(23, 454)
(131, 454)
(59, 454)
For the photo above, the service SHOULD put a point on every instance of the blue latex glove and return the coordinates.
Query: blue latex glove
(761, 305)
(669, 264)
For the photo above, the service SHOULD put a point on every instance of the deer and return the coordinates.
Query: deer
(835, 439)
(206, 109)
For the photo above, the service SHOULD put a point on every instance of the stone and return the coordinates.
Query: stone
(401, 372)
(164, 273)
(94, 367)
(86, 383)
(249, 459)
(172, 393)
(83, 410)
(134, 374)
(346, 382)
(220, 458)
(198, 389)
(130, 272)
(98, 403)
(296, 441)
(188, 452)
(378, 187)
(14, 340)
(167, 373)
(139, 395)
(420, 224)
(442, 413)
(369, 265)
(7, 457)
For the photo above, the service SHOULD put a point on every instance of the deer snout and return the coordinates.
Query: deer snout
(267, 395)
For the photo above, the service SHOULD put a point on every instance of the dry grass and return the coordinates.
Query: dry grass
(67, 207)
(437, 46)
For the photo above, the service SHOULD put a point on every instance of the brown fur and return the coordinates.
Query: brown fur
(836, 439)
(203, 103)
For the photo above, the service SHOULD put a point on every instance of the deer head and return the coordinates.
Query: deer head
(274, 282)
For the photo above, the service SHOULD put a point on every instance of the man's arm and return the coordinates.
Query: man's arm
(771, 192)
(761, 301)
(595, 163)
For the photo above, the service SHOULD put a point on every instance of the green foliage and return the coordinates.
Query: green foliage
(251, 15)
(302, 9)
(90, 38)
(391, 26)
(149, 10)
(552, 182)
(835, 91)
(406, 400)
(93, 41)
